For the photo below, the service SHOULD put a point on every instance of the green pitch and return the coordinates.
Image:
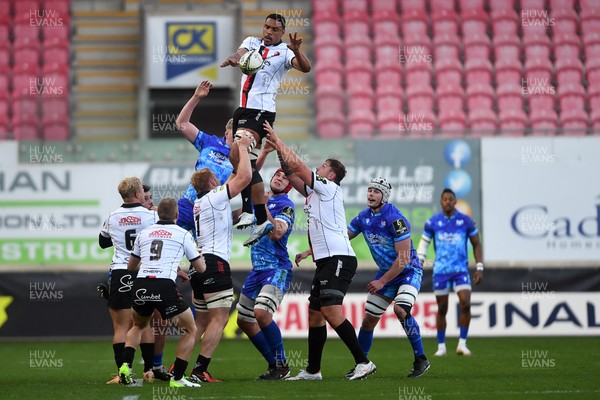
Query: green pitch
(516, 368)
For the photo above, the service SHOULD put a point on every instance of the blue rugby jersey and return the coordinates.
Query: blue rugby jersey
(450, 240)
(381, 231)
(213, 154)
(267, 254)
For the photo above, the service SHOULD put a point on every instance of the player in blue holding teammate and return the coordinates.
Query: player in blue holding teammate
(387, 233)
(213, 154)
(449, 231)
(269, 280)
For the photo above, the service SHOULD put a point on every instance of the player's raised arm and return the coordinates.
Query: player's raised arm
(299, 62)
(186, 128)
(244, 173)
(290, 162)
(234, 59)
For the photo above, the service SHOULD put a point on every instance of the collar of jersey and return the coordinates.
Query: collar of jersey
(450, 217)
(163, 222)
(132, 205)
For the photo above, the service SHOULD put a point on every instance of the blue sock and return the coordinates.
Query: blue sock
(157, 360)
(464, 331)
(273, 336)
(260, 342)
(411, 327)
(365, 338)
(441, 336)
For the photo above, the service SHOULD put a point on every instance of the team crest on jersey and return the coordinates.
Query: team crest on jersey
(400, 227)
(160, 233)
(272, 205)
(130, 220)
(321, 179)
(382, 224)
(459, 222)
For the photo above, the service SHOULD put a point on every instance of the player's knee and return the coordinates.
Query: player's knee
(331, 297)
(264, 318)
(465, 308)
(402, 311)
(245, 309)
(369, 322)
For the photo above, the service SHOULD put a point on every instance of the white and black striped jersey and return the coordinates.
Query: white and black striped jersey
(259, 90)
(214, 223)
(161, 247)
(327, 227)
(122, 226)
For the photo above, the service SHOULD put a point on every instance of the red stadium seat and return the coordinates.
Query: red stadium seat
(595, 117)
(416, 46)
(327, 24)
(510, 97)
(480, 97)
(26, 11)
(505, 22)
(420, 99)
(329, 50)
(573, 122)
(471, 5)
(357, 54)
(533, 4)
(449, 98)
(26, 37)
(593, 70)
(477, 47)
(361, 124)
(446, 5)
(571, 97)
(417, 124)
(62, 33)
(4, 60)
(446, 47)
(388, 74)
(590, 20)
(56, 131)
(25, 126)
(387, 6)
(391, 102)
(29, 55)
(55, 105)
(4, 127)
(454, 121)
(509, 71)
(591, 45)
(319, 6)
(474, 22)
(329, 75)
(414, 23)
(359, 77)
(564, 21)
(418, 74)
(25, 85)
(58, 55)
(413, 5)
(61, 6)
(449, 72)
(566, 46)
(385, 24)
(514, 121)
(330, 124)
(355, 5)
(594, 95)
(562, 4)
(483, 122)
(4, 83)
(388, 123)
(540, 101)
(386, 52)
(502, 5)
(329, 98)
(4, 107)
(536, 46)
(543, 122)
(538, 73)
(356, 23)
(444, 22)
(26, 105)
(361, 100)
(507, 47)
(569, 71)
(478, 72)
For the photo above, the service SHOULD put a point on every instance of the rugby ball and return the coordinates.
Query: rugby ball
(241, 132)
(251, 62)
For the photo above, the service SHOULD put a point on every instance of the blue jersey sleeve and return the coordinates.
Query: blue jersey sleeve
(428, 229)
(199, 143)
(471, 228)
(354, 226)
(400, 227)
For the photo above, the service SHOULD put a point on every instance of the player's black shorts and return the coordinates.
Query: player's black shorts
(331, 281)
(216, 278)
(119, 296)
(161, 294)
(250, 118)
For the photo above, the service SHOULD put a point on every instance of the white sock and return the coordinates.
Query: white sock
(462, 342)
(441, 346)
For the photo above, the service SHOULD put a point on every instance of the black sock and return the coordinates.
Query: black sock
(147, 355)
(346, 332)
(201, 363)
(118, 350)
(179, 368)
(128, 354)
(316, 342)
(260, 211)
(247, 199)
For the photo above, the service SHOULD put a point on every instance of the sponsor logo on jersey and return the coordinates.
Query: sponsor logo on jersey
(160, 233)
(130, 220)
